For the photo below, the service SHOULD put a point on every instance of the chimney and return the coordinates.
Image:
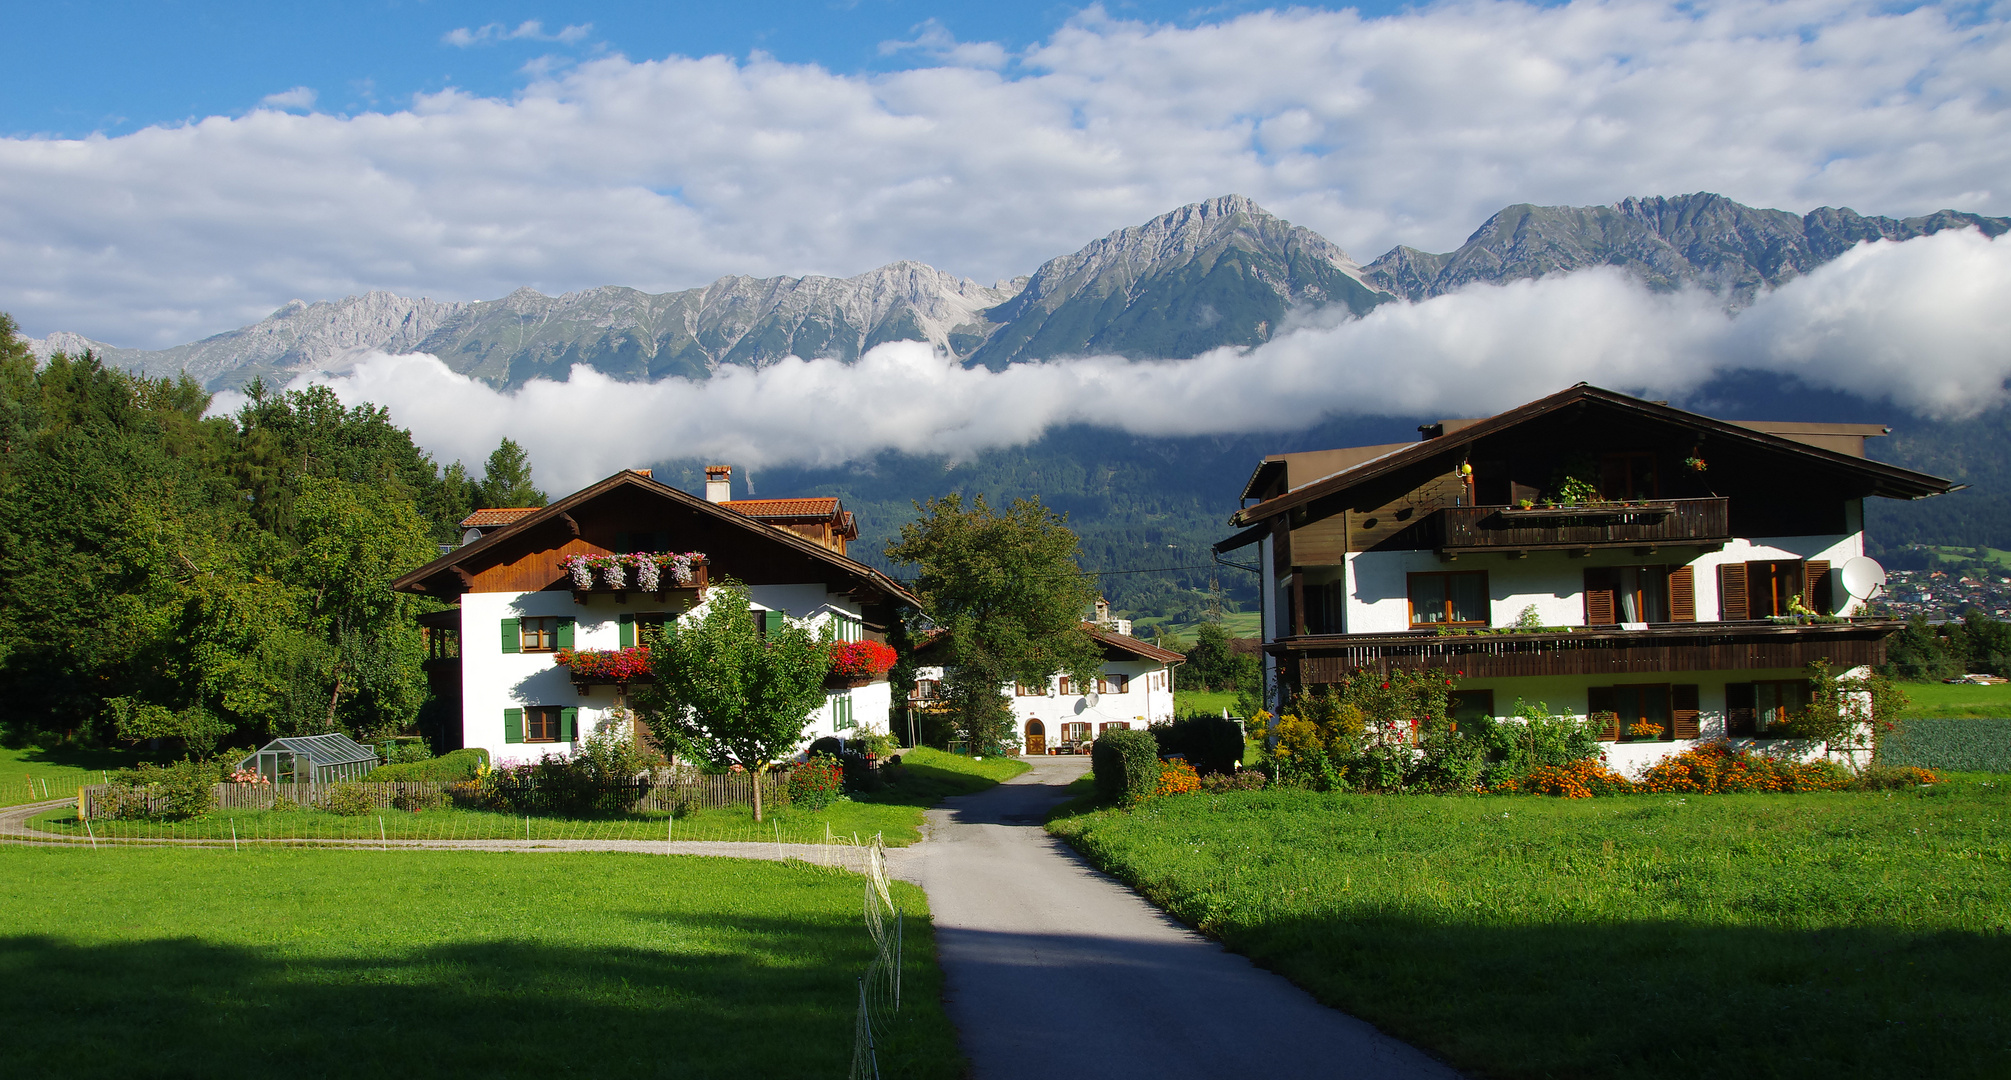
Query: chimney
(718, 483)
(1102, 612)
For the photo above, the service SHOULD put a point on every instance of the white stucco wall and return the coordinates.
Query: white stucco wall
(1378, 599)
(1147, 700)
(493, 680)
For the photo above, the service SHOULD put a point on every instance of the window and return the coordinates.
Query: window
(1449, 599)
(1469, 706)
(1029, 690)
(1114, 725)
(1628, 476)
(928, 689)
(1065, 686)
(1636, 594)
(539, 635)
(1760, 709)
(1759, 590)
(1630, 712)
(541, 723)
(642, 627)
(1113, 684)
(1075, 731)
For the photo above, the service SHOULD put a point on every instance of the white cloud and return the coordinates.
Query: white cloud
(528, 30)
(934, 40)
(668, 173)
(300, 97)
(1922, 324)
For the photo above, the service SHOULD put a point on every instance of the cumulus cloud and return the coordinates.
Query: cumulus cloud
(300, 97)
(934, 40)
(528, 30)
(1921, 324)
(667, 173)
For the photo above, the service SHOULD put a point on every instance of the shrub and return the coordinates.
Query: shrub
(1213, 744)
(1224, 783)
(1176, 777)
(1716, 767)
(1893, 778)
(1576, 780)
(416, 801)
(348, 800)
(184, 789)
(1957, 744)
(816, 783)
(447, 768)
(1126, 764)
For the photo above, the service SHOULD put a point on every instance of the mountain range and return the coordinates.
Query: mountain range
(1214, 273)
(1218, 272)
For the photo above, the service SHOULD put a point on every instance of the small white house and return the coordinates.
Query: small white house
(1133, 689)
(570, 578)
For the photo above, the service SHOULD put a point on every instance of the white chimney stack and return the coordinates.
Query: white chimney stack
(718, 483)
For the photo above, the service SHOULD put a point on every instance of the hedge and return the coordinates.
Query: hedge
(1959, 744)
(1126, 764)
(447, 768)
(1212, 744)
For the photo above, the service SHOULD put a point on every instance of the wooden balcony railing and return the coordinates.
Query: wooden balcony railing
(1458, 529)
(1663, 647)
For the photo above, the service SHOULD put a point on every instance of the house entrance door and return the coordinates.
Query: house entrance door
(1036, 737)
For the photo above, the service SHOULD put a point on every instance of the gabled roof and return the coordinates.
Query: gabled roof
(490, 519)
(784, 508)
(560, 511)
(1889, 481)
(323, 750)
(1144, 650)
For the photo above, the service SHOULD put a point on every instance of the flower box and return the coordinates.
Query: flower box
(655, 572)
(856, 663)
(604, 666)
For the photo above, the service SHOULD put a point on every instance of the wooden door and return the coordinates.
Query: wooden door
(1036, 737)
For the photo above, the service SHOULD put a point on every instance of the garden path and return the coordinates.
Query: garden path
(1055, 970)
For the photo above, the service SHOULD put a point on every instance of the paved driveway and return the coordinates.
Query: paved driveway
(1055, 970)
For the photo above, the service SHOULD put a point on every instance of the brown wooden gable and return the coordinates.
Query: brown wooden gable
(529, 555)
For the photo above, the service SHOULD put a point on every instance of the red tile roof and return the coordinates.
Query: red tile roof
(489, 519)
(783, 508)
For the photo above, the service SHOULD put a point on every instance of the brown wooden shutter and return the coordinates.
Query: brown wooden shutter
(1602, 593)
(1602, 699)
(1740, 709)
(1815, 578)
(1683, 709)
(1682, 594)
(1732, 592)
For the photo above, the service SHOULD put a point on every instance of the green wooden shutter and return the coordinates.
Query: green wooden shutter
(567, 718)
(627, 629)
(623, 543)
(565, 633)
(513, 639)
(513, 725)
(771, 623)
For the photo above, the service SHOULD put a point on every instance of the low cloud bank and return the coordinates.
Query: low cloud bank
(1922, 324)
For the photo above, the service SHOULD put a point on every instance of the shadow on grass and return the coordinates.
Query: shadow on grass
(186, 1007)
(1658, 999)
(921, 785)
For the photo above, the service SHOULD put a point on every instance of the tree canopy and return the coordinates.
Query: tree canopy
(728, 692)
(1006, 590)
(168, 574)
(506, 480)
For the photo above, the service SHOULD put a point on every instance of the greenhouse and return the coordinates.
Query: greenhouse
(301, 759)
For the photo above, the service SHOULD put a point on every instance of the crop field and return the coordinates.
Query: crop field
(1821, 935)
(288, 962)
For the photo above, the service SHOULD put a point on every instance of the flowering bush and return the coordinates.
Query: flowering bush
(1717, 767)
(1176, 777)
(616, 665)
(1580, 779)
(1645, 730)
(248, 776)
(861, 659)
(648, 565)
(816, 783)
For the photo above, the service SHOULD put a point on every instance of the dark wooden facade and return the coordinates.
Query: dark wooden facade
(1310, 661)
(1683, 522)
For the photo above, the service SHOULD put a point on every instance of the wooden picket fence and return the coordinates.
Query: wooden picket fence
(663, 791)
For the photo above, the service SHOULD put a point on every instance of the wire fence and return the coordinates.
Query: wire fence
(449, 829)
(26, 788)
(880, 986)
(666, 793)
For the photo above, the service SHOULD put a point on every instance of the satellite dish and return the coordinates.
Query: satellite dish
(1862, 578)
(1092, 697)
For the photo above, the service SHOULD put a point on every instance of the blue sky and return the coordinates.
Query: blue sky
(115, 67)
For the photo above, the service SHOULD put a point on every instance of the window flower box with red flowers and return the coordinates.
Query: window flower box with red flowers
(856, 663)
(603, 666)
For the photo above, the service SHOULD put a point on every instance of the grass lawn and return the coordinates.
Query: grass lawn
(54, 774)
(1958, 699)
(895, 812)
(310, 963)
(1211, 702)
(1826, 935)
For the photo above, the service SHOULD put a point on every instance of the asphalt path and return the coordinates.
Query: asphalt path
(1055, 970)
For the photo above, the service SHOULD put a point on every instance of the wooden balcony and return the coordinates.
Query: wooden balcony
(1457, 530)
(1663, 647)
